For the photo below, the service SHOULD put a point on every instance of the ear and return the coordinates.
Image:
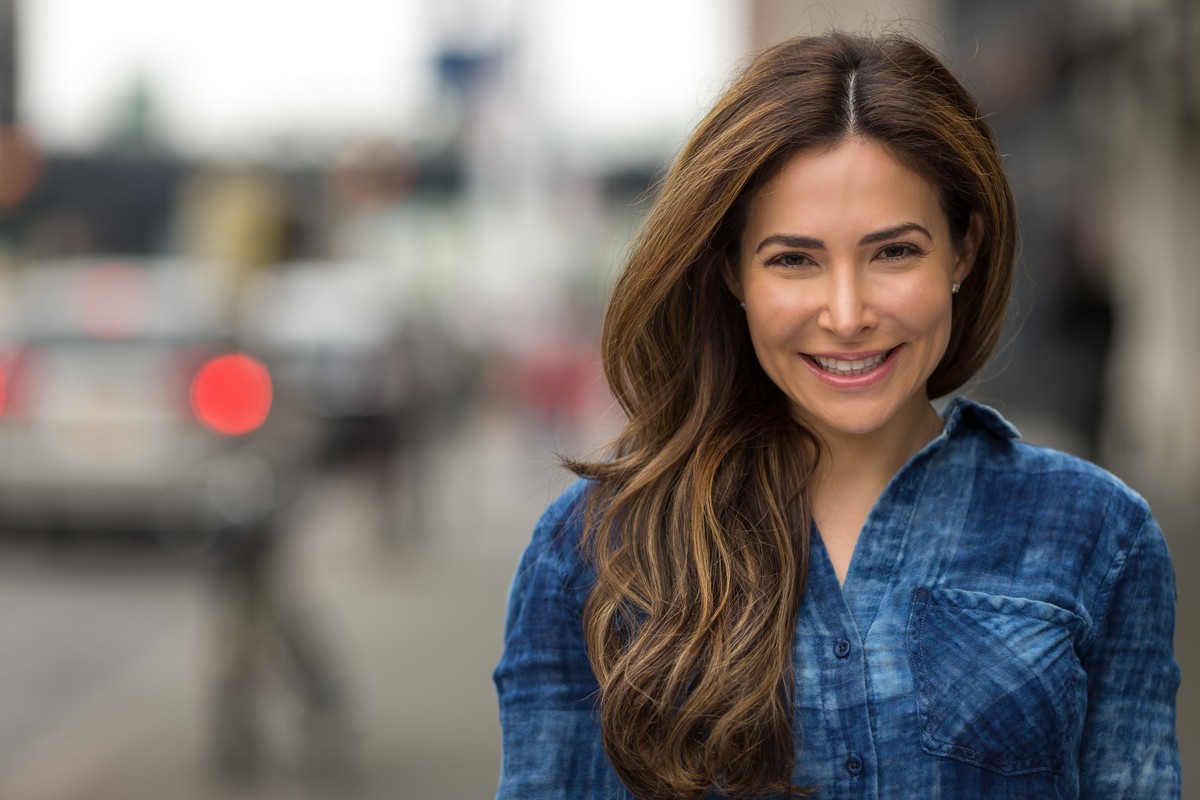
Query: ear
(730, 272)
(967, 249)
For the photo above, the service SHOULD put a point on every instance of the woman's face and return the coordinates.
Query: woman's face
(845, 269)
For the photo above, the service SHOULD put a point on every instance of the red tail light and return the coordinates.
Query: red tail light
(17, 376)
(232, 394)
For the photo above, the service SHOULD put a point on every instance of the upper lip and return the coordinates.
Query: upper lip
(846, 356)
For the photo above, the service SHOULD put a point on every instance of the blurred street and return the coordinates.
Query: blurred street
(296, 313)
(120, 710)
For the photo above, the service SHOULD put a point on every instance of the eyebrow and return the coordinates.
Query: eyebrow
(809, 243)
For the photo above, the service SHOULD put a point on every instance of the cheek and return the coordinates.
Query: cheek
(776, 319)
(781, 303)
(923, 309)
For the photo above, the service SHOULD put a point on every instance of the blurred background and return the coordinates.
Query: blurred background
(299, 302)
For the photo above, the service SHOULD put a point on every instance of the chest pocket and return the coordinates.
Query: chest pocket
(998, 684)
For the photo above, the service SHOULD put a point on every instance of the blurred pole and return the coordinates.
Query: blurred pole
(19, 158)
(8, 62)
(1154, 195)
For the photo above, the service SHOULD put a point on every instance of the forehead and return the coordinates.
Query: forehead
(853, 187)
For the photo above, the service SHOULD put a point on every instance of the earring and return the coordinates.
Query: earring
(743, 305)
(954, 287)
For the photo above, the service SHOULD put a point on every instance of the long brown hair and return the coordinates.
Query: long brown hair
(698, 517)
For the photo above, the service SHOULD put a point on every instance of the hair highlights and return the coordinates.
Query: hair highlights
(698, 523)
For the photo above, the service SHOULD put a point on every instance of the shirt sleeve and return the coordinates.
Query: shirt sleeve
(546, 688)
(1129, 747)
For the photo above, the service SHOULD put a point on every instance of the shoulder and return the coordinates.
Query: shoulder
(1013, 471)
(552, 561)
(1066, 521)
(558, 532)
(1068, 471)
(1074, 500)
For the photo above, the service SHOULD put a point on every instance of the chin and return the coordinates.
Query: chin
(846, 425)
(868, 416)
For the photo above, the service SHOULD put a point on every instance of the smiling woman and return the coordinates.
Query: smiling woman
(846, 272)
(791, 574)
(864, 281)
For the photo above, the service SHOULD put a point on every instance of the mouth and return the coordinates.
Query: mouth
(846, 368)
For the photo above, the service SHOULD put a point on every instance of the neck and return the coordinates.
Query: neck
(872, 459)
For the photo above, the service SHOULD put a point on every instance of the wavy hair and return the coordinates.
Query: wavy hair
(698, 517)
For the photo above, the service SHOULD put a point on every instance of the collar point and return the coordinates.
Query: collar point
(964, 412)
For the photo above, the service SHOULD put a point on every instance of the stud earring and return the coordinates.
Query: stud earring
(954, 287)
(743, 305)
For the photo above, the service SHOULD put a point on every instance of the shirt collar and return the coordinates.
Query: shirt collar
(963, 415)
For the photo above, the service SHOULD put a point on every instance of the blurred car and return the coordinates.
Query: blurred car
(125, 404)
(376, 372)
(382, 376)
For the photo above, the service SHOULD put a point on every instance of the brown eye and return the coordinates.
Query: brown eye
(791, 260)
(897, 251)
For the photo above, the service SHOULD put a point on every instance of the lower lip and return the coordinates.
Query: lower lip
(860, 381)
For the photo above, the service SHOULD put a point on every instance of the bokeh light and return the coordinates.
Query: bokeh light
(232, 394)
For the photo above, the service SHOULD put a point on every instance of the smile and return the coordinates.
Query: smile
(844, 368)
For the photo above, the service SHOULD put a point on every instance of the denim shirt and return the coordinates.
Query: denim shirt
(1004, 631)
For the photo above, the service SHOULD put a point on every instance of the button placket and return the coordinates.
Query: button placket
(843, 711)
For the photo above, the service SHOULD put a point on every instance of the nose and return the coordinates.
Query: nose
(846, 311)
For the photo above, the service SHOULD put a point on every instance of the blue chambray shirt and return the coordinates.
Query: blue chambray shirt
(1004, 631)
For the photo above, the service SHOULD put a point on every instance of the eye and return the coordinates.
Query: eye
(790, 260)
(896, 252)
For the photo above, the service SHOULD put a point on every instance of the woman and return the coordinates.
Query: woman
(793, 575)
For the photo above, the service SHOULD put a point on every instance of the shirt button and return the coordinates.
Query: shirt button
(854, 764)
(841, 648)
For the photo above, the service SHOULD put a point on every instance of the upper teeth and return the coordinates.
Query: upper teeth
(856, 367)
